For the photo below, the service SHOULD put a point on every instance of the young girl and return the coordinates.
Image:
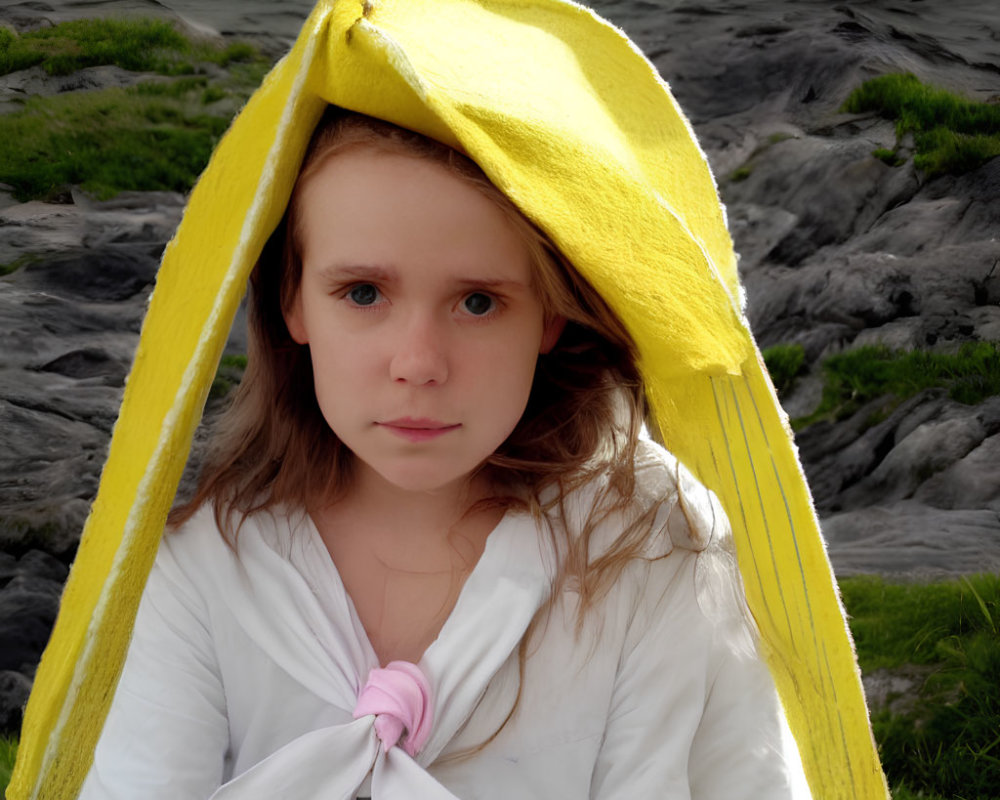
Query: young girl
(431, 475)
(430, 555)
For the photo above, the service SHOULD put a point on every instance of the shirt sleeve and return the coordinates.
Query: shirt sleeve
(166, 734)
(694, 712)
(738, 748)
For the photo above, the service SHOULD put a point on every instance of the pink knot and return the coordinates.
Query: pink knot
(400, 697)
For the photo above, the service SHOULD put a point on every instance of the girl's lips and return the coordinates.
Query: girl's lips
(417, 430)
(423, 423)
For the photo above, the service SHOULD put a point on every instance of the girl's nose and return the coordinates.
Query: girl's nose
(420, 354)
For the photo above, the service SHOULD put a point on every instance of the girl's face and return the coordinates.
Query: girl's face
(418, 306)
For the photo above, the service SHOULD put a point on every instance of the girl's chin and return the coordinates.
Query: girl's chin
(418, 481)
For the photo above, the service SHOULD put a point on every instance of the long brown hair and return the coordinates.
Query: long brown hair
(582, 421)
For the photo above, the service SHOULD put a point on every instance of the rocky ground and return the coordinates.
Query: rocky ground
(837, 249)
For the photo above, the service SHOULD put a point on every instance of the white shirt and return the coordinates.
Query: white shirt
(243, 673)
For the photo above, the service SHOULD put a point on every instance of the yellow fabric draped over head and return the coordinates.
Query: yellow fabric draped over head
(570, 121)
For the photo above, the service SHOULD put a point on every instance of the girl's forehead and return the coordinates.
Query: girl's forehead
(384, 160)
(375, 147)
(369, 208)
(363, 144)
(370, 182)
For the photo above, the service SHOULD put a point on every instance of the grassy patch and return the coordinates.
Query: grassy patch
(919, 623)
(228, 375)
(951, 134)
(141, 44)
(887, 156)
(232, 53)
(784, 363)
(778, 138)
(213, 94)
(157, 135)
(854, 378)
(8, 752)
(942, 150)
(134, 44)
(107, 141)
(948, 743)
(740, 173)
(17, 263)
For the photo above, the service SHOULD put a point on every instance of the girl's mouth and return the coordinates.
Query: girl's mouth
(417, 430)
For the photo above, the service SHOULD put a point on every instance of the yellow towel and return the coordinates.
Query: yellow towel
(570, 121)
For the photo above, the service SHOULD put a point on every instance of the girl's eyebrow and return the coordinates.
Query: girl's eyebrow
(382, 274)
(494, 284)
(361, 272)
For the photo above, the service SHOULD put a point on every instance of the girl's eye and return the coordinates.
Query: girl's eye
(478, 304)
(364, 294)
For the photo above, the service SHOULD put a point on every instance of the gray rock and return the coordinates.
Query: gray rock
(14, 690)
(69, 323)
(110, 274)
(36, 228)
(897, 689)
(838, 455)
(969, 483)
(929, 449)
(986, 322)
(858, 295)
(33, 564)
(757, 231)
(51, 465)
(17, 87)
(911, 539)
(833, 187)
(30, 588)
(28, 607)
(88, 362)
(805, 396)
(855, 464)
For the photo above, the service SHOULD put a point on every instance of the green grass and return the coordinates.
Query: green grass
(132, 44)
(157, 135)
(918, 623)
(213, 94)
(8, 751)
(740, 173)
(778, 138)
(17, 263)
(784, 363)
(947, 744)
(231, 53)
(889, 157)
(107, 141)
(942, 150)
(855, 377)
(228, 374)
(951, 134)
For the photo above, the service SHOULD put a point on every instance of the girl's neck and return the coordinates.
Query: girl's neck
(374, 503)
(403, 557)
